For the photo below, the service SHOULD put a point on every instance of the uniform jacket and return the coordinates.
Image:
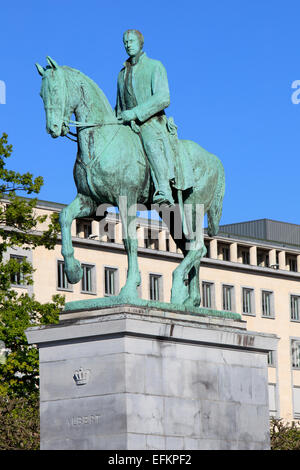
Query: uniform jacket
(151, 96)
(150, 86)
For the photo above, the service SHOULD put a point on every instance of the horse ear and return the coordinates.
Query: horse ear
(52, 62)
(40, 69)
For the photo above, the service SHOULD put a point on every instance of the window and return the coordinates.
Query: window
(247, 300)
(224, 252)
(167, 243)
(292, 263)
(245, 254)
(62, 281)
(87, 229)
(78, 228)
(272, 399)
(295, 307)
(263, 258)
(227, 298)
(207, 294)
(17, 278)
(296, 402)
(87, 283)
(155, 286)
(295, 346)
(83, 228)
(151, 239)
(266, 304)
(271, 359)
(110, 231)
(110, 282)
(207, 246)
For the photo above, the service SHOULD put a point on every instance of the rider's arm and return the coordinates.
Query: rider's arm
(160, 98)
(118, 108)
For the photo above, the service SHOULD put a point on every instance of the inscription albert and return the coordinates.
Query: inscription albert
(83, 420)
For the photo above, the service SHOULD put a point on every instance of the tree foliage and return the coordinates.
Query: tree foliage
(19, 419)
(284, 436)
(19, 224)
(18, 220)
(19, 370)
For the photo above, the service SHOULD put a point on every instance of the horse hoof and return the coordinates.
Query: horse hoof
(128, 295)
(178, 296)
(75, 273)
(192, 303)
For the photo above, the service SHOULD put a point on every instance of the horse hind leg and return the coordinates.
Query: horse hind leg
(214, 213)
(194, 297)
(213, 219)
(189, 267)
(179, 290)
(193, 251)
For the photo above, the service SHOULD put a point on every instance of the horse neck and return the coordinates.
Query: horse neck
(88, 102)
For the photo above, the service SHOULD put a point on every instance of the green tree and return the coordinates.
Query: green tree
(19, 418)
(19, 228)
(284, 436)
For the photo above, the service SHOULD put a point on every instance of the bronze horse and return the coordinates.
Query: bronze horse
(111, 168)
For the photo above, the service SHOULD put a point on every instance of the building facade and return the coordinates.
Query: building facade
(252, 268)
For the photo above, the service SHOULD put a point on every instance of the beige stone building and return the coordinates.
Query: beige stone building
(252, 268)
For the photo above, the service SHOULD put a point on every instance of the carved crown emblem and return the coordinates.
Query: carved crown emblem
(81, 376)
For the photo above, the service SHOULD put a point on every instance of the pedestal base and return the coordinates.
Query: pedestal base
(134, 378)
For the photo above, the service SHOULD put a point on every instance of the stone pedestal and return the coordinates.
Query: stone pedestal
(137, 378)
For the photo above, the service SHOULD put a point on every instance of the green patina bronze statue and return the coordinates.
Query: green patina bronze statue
(132, 156)
(142, 96)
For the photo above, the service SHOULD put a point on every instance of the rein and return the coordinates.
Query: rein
(93, 124)
(81, 125)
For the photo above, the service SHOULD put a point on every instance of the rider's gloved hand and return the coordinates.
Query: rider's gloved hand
(128, 115)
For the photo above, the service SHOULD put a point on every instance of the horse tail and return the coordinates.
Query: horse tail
(215, 211)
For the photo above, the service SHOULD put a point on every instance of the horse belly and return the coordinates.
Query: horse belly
(120, 171)
(206, 167)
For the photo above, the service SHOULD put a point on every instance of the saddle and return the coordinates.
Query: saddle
(182, 165)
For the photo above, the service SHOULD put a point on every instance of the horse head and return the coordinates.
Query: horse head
(54, 95)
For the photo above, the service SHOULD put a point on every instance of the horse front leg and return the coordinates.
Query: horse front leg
(81, 206)
(128, 217)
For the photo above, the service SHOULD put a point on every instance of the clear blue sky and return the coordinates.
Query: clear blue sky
(230, 66)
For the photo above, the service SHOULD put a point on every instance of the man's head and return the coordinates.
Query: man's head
(133, 42)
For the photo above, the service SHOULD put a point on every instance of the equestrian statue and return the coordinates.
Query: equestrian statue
(131, 155)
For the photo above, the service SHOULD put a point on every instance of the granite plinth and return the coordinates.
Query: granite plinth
(137, 378)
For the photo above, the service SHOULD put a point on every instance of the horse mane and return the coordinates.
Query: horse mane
(97, 90)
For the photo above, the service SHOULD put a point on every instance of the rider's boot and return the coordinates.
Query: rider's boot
(163, 195)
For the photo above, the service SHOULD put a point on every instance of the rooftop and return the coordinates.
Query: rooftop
(265, 229)
(272, 231)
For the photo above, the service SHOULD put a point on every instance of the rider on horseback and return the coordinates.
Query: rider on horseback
(142, 96)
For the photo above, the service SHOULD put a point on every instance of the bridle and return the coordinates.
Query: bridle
(80, 125)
